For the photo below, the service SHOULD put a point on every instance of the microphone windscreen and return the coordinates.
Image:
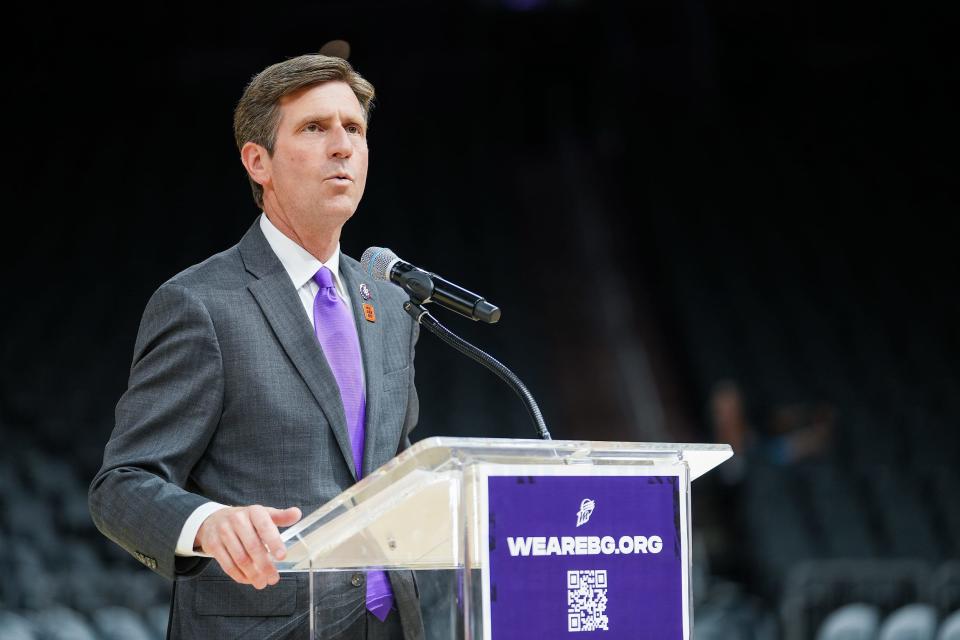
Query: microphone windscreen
(376, 262)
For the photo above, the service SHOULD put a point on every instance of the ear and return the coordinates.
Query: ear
(256, 161)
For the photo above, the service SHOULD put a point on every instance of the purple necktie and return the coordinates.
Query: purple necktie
(333, 324)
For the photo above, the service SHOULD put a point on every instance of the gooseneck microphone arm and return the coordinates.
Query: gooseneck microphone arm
(425, 319)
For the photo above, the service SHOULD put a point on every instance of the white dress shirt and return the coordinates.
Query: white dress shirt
(301, 267)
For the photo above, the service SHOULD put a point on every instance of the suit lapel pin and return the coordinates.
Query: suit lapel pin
(369, 313)
(365, 292)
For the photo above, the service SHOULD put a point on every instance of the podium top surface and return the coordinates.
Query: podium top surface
(700, 458)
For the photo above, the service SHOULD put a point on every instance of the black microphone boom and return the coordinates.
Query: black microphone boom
(424, 287)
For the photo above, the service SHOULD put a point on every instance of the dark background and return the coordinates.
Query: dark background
(660, 195)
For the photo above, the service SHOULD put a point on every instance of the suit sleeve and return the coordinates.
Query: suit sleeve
(164, 422)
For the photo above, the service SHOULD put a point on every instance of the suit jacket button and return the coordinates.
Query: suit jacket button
(357, 579)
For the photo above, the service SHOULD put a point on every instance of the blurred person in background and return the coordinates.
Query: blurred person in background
(274, 373)
(796, 432)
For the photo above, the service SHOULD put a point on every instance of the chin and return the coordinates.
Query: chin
(335, 214)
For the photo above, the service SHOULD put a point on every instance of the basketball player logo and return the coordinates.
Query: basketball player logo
(586, 509)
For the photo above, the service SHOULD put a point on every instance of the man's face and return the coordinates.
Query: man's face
(319, 164)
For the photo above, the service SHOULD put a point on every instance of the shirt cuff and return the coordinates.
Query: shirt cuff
(188, 534)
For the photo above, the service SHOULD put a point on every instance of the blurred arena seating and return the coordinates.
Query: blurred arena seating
(950, 629)
(859, 536)
(64, 581)
(851, 622)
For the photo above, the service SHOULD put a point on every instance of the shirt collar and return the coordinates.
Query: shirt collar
(297, 261)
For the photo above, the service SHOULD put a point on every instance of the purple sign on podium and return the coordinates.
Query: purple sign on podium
(585, 556)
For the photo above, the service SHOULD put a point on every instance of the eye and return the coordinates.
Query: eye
(354, 129)
(312, 127)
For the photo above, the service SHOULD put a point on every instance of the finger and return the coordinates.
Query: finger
(221, 555)
(238, 554)
(268, 532)
(284, 517)
(263, 569)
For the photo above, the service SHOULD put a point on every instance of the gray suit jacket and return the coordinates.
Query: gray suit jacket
(230, 399)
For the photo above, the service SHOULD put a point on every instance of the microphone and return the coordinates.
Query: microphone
(423, 286)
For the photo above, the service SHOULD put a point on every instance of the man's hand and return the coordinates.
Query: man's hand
(239, 537)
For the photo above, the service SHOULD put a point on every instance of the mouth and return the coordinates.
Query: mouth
(340, 177)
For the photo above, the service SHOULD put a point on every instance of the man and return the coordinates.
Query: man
(275, 373)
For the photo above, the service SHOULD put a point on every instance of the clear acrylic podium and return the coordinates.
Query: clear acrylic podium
(442, 505)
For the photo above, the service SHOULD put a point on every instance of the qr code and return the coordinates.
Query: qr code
(587, 601)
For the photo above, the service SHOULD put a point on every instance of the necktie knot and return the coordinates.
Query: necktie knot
(324, 278)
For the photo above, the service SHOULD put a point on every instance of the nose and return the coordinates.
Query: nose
(339, 143)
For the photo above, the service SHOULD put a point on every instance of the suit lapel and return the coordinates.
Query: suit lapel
(371, 346)
(281, 305)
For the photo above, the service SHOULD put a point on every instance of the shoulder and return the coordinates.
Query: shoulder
(221, 271)
(197, 293)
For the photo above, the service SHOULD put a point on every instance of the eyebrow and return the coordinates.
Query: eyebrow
(316, 117)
